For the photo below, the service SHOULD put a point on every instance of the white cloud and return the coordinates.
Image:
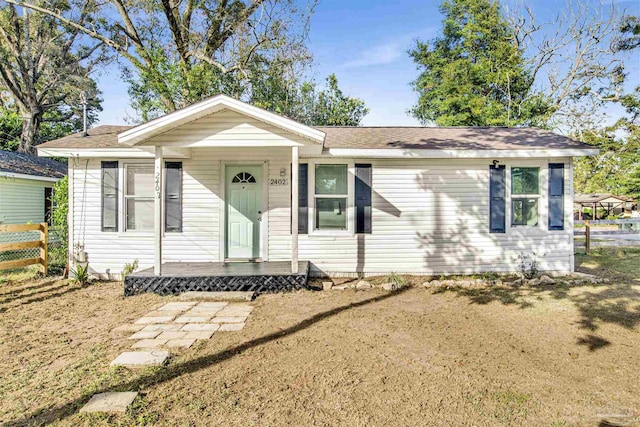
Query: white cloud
(377, 55)
(391, 51)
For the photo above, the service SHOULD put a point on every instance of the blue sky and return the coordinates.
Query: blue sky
(365, 43)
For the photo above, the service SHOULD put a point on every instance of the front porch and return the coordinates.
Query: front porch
(178, 277)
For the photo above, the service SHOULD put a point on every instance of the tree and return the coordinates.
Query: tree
(44, 67)
(576, 59)
(181, 51)
(306, 104)
(617, 168)
(475, 74)
(333, 108)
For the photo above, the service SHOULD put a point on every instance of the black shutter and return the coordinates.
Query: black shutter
(48, 194)
(556, 196)
(173, 197)
(363, 198)
(303, 198)
(497, 201)
(109, 196)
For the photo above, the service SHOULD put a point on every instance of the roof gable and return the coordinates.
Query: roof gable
(168, 122)
(228, 128)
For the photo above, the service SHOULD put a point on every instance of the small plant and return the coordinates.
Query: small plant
(396, 280)
(129, 268)
(80, 274)
(528, 265)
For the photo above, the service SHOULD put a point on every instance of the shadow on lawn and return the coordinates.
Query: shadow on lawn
(610, 303)
(173, 371)
(22, 296)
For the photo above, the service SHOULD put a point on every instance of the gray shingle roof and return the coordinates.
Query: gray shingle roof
(105, 136)
(446, 138)
(27, 164)
(434, 138)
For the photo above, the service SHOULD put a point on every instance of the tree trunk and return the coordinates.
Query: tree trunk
(30, 126)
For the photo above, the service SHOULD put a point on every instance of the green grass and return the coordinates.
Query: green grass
(614, 263)
(19, 275)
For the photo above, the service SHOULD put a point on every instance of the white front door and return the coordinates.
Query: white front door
(243, 211)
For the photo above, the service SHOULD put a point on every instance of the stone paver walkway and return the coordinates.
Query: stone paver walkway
(174, 325)
(180, 323)
(110, 402)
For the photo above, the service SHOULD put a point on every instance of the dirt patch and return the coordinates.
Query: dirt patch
(515, 357)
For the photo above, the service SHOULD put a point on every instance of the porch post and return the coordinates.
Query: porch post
(294, 209)
(157, 222)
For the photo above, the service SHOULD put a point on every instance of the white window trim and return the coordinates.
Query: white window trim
(542, 226)
(311, 196)
(122, 211)
(526, 196)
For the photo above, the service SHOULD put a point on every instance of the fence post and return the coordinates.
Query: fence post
(587, 236)
(44, 248)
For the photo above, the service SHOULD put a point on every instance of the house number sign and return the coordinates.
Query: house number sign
(278, 181)
(157, 185)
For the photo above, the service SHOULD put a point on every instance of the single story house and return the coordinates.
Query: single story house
(223, 181)
(26, 187)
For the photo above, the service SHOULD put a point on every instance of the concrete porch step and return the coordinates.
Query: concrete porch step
(217, 296)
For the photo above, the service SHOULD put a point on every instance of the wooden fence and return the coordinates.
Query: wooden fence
(627, 234)
(42, 244)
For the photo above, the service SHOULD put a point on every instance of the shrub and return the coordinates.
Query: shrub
(81, 274)
(528, 265)
(397, 280)
(129, 268)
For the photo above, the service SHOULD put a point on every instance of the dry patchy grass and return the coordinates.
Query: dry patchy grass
(564, 355)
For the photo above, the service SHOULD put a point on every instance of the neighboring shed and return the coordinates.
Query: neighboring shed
(26, 186)
(609, 204)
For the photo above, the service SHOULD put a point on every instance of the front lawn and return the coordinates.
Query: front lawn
(544, 356)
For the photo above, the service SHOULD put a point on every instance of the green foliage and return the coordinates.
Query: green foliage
(617, 168)
(60, 209)
(396, 280)
(305, 103)
(44, 68)
(80, 274)
(58, 249)
(475, 74)
(333, 108)
(629, 37)
(10, 128)
(129, 268)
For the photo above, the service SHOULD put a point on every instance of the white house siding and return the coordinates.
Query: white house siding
(430, 216)
(22, 200)
(223, 127)
(200, 239)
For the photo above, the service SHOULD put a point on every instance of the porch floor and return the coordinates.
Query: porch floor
(179, 277)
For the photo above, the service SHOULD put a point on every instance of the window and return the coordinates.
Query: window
(110, 196)
(243, 178)
(330, 196)
(525, 194)
(138, 197)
